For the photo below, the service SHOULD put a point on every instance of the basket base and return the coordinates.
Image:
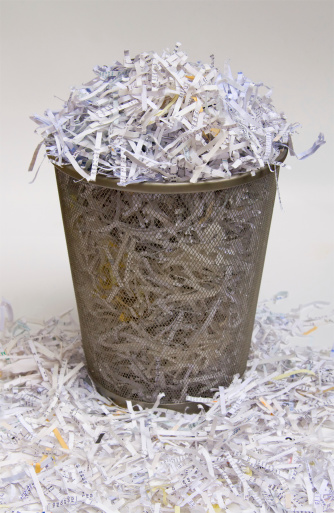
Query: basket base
(186, 407)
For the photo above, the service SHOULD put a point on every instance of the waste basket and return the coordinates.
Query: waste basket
(166, 278)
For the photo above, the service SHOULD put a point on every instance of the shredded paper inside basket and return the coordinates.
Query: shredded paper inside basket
(264, 444)
(162, 118)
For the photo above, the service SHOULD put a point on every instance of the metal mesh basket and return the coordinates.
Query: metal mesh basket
(166, 283)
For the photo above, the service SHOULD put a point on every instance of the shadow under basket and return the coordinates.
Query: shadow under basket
(166, 278)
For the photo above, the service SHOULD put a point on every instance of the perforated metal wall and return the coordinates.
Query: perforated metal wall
(166, 284)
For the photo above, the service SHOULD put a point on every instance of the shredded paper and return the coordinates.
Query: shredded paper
(263, 444)
(163, 118)
(167, 284)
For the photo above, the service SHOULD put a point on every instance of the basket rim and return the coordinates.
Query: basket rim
(175, 187)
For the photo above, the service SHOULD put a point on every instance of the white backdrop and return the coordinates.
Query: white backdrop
(48, 46)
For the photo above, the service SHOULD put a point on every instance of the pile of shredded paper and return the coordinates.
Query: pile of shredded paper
(162, 118)
(264, 444)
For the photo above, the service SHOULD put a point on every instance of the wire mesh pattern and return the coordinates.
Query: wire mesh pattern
(166, 284)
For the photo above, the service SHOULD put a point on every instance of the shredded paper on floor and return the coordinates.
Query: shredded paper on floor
(264, 444)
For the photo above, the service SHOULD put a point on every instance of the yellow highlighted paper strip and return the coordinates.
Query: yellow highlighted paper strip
(60, 439)
(164, 494)
(265, 403)
(38, 467)
(327, 390)
(215, 131)
(177, 509)
(296, 371)
(168, 106)
(310, 331)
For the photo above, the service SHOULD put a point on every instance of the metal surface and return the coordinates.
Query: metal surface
(175, 188)
(188, 406)
(166, 284)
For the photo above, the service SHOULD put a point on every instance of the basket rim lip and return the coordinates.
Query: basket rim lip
(175, 187)
(183, 407)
